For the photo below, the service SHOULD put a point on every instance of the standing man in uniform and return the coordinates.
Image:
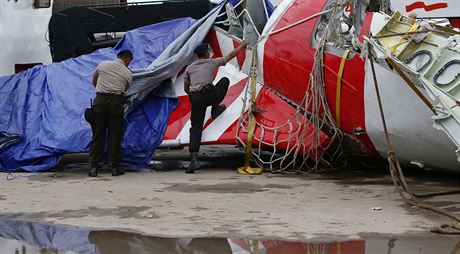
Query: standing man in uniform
(202, 93)
(111, 79)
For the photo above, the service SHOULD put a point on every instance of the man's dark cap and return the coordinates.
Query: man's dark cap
(125, 53)
(201, 48)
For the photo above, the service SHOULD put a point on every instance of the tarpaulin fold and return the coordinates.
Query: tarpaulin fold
(177, 55)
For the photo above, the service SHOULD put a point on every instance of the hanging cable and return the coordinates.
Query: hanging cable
(397, 174)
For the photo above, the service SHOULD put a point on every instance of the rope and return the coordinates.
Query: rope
(391, 245)
(456, 249)
(255, 247)
(11, 176)
(339, 87)
(437, 194)
(243, 12)
(397, 174)
(303, 134)
(408, 81)
(234, 7)
(415, 32)
(317, 248)
(247, 169)
(248, 15)
(294, 24)
(339, 248)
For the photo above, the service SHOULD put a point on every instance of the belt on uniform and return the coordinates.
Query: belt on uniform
(204, 89)
(110, 94)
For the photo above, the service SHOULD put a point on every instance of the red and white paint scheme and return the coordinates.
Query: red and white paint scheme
(285, 62)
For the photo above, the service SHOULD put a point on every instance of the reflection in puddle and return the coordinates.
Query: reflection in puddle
(18, 237)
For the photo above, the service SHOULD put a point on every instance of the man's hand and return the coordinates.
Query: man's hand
(187, 87)
(95, 76)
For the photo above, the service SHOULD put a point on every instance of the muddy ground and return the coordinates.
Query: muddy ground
(218, 202)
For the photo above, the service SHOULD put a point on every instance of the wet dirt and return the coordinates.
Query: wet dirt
(216, 202)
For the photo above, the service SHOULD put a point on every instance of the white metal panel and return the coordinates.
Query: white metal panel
(22, 37)
(431, 8)
(408, 118)
(409, 123)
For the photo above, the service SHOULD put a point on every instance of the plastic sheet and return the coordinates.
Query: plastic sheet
(44, 106)
(171, 61)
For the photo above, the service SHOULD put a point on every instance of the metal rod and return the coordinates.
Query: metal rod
(413, 32)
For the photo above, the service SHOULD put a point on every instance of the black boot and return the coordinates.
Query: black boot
(117, 170)
(194, 165)
(93, 170)
(216, 110)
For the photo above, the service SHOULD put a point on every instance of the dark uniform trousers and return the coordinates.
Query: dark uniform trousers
(109, 117)
(209, 95)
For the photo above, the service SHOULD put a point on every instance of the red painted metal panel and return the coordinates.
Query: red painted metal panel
(288, 60)
(241, 56)
(213, 42)
(288, 57)
(178, 118)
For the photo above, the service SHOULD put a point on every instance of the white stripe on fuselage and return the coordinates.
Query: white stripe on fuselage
(226, 46)
(221, 124)
(233, 111)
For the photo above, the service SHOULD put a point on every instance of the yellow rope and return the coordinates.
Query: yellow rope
(339, 248)
(339, 87)
(456, 249)
(247, 169)
(255, 247)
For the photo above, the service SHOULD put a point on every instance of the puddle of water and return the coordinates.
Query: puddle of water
(236, 187)
(19, 237)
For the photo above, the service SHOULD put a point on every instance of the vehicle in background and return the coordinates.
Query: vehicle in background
(23, 40)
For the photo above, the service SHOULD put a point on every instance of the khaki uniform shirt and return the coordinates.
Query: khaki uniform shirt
(201, 72)
(114, 77)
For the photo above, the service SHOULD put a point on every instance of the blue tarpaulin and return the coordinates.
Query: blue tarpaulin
(41, 109)
(177, 55)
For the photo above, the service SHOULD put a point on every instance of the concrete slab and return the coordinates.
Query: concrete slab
(217, 202)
